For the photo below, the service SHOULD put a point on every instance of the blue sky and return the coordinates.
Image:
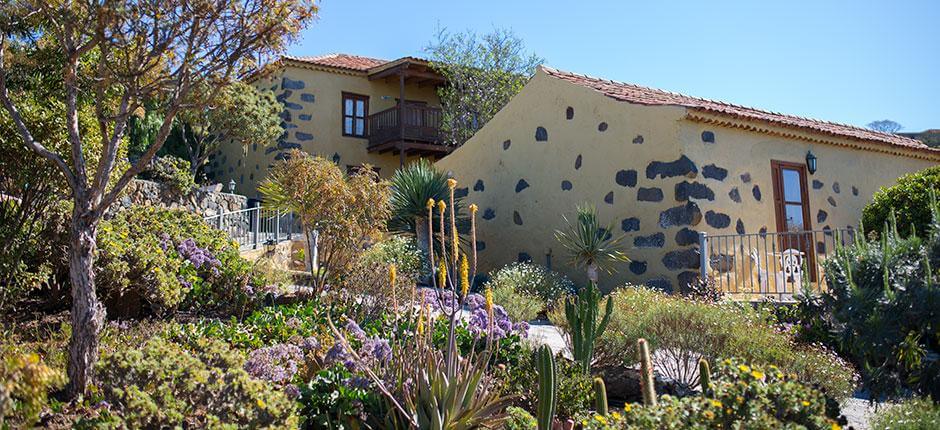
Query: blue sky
(844, 61)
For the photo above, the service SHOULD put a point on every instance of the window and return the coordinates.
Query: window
(355, 111)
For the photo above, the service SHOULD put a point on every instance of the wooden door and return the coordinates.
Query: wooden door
(791, 203)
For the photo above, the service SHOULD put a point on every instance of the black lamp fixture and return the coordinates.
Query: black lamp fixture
(336, 157)
(810, 162)
(231, 186)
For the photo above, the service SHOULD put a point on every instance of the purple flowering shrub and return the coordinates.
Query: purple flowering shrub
(278, 364)
(156, 261)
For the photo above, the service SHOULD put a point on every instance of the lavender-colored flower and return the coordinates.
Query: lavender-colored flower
(376, 348)
(291, 391)
(335, 354)
(354, 330)
(357, 382)
(522, 328)
(165, 241)
(309, 344)
(278, 363)
(475, 301)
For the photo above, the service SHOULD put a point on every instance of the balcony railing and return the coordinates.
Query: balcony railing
(778, 265)
(422, 124)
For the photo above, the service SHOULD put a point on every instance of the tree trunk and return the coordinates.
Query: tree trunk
(421, 234)
(592, 273)
(88, 314)
(311, 236)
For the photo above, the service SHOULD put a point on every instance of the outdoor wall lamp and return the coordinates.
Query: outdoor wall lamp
(810, 162)
(231, 186)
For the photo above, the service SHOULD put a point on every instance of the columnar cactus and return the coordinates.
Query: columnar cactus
(583, 325)
(704, 376)
(600, 397)
(646, 373)
(548, 387)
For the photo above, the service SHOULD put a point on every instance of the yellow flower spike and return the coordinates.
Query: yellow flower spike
(452, 183)
(421, 321)
(441, 206)
(489, 300)
(464, 276)
(473, 208)
(430, 204)
(392, 274)
(442, 275)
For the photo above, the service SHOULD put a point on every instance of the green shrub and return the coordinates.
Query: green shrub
(519, 419)
(909, 200)
(520, 306)
(680, 331)
(337, 398)
(25, 381)
(575, 389)
(164, 385)
(175, 172)
(913, 414)
(882, 311)
(158, 260)
(743, 397)
(534, 280)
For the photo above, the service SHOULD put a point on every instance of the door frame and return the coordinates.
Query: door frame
(776, 167)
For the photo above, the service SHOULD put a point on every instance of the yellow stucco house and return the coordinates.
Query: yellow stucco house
(765, 195)
(344, 108)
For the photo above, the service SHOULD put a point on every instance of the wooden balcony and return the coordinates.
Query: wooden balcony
(419, 133)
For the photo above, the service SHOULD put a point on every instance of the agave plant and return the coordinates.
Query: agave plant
(412, 186)
(426, 387)
(589, 244)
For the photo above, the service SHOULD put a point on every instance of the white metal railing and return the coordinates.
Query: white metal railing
(257, 226)
(758, 265)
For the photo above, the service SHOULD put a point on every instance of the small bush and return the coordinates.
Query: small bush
(158, 260)
(520, 306)
(366, 287)
(882, 311)
(909, 200)
(913, 414)
(24, 383)
(338, 398)
(680, 331)
(533, 280)
(575, 389)
(743, 397)
(175, 172)
(519, 419)
(165, 385)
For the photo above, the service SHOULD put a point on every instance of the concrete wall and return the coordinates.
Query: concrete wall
(649, 172)
(312, 119)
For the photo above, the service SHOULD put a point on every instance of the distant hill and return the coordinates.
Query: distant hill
(930, 137)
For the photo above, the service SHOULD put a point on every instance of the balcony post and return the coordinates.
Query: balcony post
(401, 114)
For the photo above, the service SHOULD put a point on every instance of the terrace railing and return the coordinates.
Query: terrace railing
(777, 265)
(254, 227)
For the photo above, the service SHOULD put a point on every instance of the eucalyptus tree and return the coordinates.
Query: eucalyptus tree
(120, 56)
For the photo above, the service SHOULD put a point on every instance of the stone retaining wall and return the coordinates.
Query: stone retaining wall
(205, 201)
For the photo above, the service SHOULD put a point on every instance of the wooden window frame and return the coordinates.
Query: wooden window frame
(343, 116)
(780, 203)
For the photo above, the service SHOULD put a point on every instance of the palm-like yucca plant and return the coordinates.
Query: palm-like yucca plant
(412, 186)
(589, 244)
(430, 388)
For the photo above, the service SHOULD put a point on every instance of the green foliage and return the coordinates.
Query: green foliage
(589, 244)
(581, 314)
(163, 384)
(600, 396)
(882, 310)
(519, 419)
(682, 331)
(158, 260)
(338, 398)
(520, 306)
(548, 386)
(175, 172)
(346, 211)
(908, 199)
(743, 398)
(532, 280)
(25, 381)
(912, 414)
(412, 187)
(483, 73)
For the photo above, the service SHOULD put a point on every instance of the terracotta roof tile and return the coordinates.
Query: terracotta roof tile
(651, 96)
(341, 61)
